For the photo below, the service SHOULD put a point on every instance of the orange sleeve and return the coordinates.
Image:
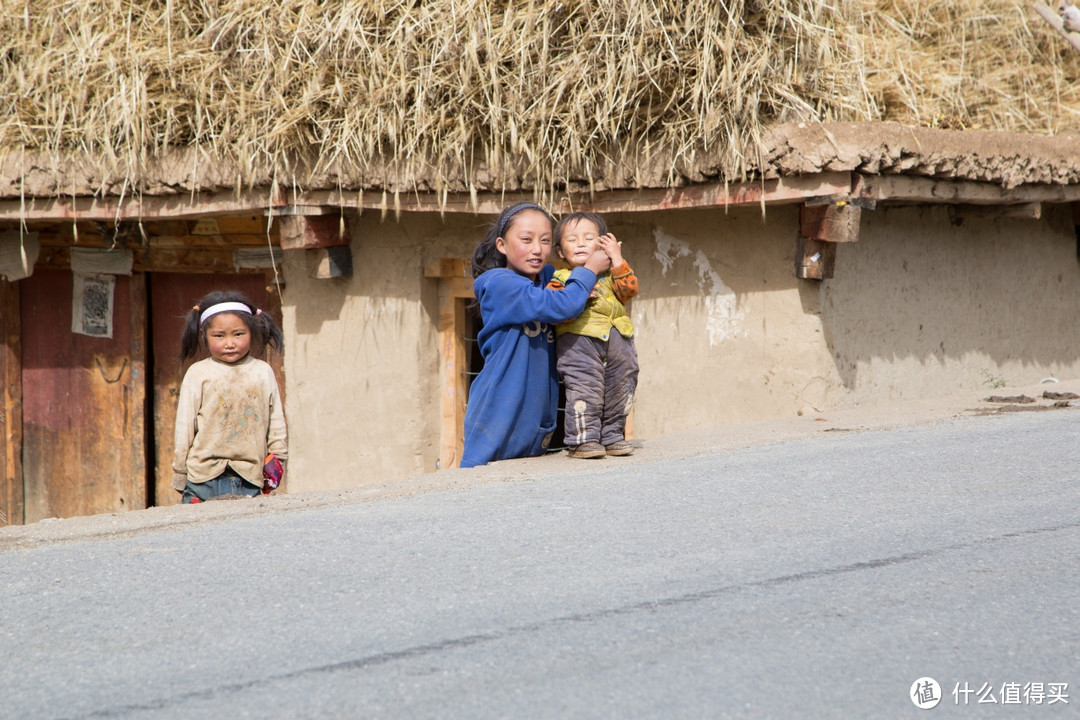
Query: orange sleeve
(555, 284)
(624, 282)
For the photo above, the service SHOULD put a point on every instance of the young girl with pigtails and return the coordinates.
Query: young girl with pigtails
(229, 421)
(513, 401)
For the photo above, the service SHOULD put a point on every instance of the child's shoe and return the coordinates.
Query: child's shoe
(588, 451)
(620, 448)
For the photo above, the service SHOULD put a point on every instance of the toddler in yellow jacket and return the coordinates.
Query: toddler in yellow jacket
(595, 352)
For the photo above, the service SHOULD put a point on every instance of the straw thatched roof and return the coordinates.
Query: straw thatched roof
(463, 95)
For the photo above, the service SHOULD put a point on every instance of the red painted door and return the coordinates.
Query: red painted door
(84, 398)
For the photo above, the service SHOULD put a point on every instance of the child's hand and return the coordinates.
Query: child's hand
(609, 244)
(598, 262)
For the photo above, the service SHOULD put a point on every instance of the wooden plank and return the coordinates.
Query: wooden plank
(832, 223)
(1026, 211)
(247, 225)
(142, 208)
(168, 227)
(134, 484)
(230, 239)
(232, 225)
(815, 259)
(308, 232)
(56, 239)
(80, 403)
(454, 295)
(291, 210)
(246, 202)
(453, 363)
(715, 194)
(188, 260)
(902, 188)
(448, 268)
(11, 480)
(185, 260)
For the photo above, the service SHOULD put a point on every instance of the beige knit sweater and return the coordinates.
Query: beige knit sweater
(229, 414)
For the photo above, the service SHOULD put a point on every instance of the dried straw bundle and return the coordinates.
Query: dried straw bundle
(969, 64)
(462, 95)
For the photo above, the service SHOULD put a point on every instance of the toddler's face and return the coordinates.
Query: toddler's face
(579, 241)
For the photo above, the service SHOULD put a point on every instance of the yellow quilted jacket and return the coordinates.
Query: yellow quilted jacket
(605, 311)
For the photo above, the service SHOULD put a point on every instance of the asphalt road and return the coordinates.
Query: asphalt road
(815, 578)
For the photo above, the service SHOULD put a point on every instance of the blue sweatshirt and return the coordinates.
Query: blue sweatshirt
(513, 401)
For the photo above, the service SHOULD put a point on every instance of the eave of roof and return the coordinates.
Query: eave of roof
(871, 162)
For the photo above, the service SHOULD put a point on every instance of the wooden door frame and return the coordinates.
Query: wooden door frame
(11, 477)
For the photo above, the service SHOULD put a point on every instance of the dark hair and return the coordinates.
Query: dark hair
(601, 226)
(486, 256)
(264, 331)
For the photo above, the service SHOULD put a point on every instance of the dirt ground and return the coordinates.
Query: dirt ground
(988, 401)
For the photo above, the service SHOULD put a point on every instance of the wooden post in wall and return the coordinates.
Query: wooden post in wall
(140, 478)
(455, 289)
(11, 479)
(323, 234)
(821, 228)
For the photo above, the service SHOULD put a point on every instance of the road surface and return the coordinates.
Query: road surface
(818, 577)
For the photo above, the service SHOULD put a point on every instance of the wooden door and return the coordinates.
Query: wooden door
(84, 401)
(172, 295)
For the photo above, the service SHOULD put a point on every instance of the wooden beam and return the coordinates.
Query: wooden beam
(454, 294)
(815, 259)
(1027, 211)
(11, 479)
(448, 268)
(838, 222)
(713, 194)
(141, 208)
(829, 186)
(293, 210)
(187, 260)
(138, 484)
(904, 188)
(307, 232)
(203, 205)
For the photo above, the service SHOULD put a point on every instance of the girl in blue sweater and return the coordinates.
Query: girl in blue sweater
(512, 402)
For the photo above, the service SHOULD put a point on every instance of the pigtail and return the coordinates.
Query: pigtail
(268, 330)
(190, 337)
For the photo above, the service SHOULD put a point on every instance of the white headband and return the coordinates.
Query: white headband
(223, 307)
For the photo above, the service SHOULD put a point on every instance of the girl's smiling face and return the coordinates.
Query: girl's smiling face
(228, 337)
(527, 243)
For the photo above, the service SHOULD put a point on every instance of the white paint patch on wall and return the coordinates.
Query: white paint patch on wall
(668, 250)
(724, 318)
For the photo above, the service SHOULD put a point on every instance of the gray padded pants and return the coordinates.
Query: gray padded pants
(600, 379)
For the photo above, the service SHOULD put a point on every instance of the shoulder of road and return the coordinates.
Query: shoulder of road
(1047, 395)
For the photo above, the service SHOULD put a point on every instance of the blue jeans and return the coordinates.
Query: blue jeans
(227, 483)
